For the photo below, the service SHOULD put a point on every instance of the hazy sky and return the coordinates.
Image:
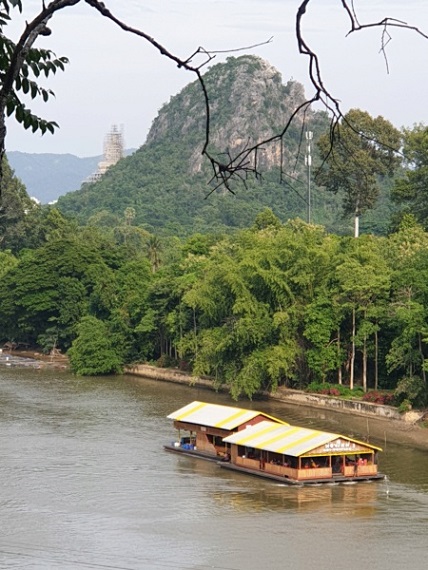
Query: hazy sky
(115, 78)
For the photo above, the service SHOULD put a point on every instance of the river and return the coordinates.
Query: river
(85, 484)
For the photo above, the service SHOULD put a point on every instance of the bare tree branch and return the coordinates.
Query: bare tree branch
(245, 162)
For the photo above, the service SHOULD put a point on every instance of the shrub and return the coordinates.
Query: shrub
(324, 388)
(92, 352)
(405, 406)
(166, 361)
(411, 389)
(342, 391)
(376, 397)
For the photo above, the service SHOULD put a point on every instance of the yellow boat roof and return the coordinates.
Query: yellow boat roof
(296, 441)
(216, 415)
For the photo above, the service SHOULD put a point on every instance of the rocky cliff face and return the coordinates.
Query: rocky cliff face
(248, 104)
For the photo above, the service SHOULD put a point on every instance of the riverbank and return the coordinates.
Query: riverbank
(384, 422)
(33, 358)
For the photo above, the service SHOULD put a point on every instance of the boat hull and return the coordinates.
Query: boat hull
(300, 483)
(191, 453)
(279, 479)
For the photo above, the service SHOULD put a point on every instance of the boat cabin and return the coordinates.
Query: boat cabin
(202, 428)
(301, 455)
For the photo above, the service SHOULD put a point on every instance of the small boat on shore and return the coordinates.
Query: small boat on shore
(257, 444)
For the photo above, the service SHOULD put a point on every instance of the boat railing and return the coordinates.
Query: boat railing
(360, 470)
(314, 473)
(248, 462)
(283, 470)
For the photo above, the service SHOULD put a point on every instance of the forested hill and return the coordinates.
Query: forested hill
(165, 181)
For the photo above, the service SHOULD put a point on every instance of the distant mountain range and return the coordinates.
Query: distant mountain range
(48, 176)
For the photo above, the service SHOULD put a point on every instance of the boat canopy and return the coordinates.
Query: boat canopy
(297, 441)
(216, 415)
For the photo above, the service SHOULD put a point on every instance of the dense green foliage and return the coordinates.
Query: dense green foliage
(273, 305)
(169, 201)
(92, 352)
(150, 270)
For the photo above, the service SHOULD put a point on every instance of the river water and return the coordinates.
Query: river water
(85, 484)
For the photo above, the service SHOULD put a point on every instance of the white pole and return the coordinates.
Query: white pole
(308, 162)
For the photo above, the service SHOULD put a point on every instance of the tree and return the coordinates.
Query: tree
(352, 161)
(7, 262)
(92, 352)
(49, 286)
(363, 279)
(408, 308)
(16, 206)
(411, 190)
(20, 66)
(154, 250)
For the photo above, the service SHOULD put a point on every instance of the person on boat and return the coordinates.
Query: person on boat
(337, 466)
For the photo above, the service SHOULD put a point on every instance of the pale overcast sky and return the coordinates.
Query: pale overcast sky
(115, 78)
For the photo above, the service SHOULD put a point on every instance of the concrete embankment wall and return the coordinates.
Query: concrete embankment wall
(285, 395)
(169, 375)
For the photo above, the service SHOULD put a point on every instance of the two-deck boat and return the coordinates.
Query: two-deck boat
(257, 444)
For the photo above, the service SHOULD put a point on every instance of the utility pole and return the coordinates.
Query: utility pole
(308, 162)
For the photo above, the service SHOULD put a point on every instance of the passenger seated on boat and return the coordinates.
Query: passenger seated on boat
(314, 465)
(306, 465)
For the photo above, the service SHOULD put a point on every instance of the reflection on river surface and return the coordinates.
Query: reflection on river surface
(85, 484)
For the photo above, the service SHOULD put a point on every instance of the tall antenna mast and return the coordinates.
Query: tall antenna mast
(308, 162)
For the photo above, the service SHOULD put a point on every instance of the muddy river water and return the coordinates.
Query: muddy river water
(85, 484)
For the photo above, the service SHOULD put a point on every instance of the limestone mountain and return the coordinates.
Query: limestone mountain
(248, 104)
(165, 181)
